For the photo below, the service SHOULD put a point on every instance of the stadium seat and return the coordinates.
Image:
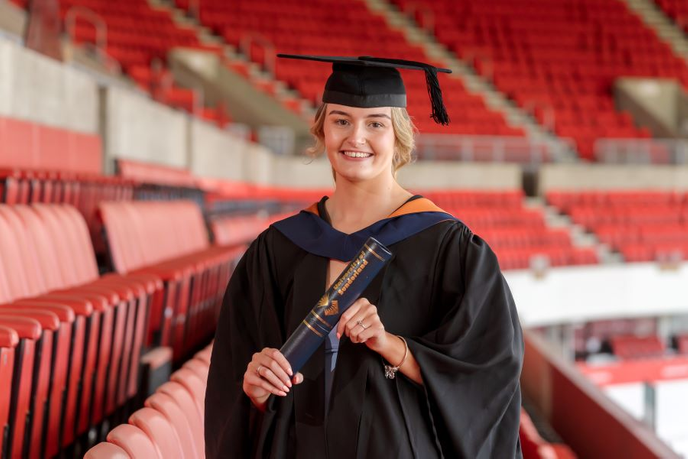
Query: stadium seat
(23, 393)
(8, 343)
(134, 441)
(188, 405)
(166, 405)
(193, 383)
(106, 450)
(160, 431)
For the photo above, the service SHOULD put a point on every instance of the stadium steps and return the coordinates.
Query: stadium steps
(579, 236)
(656, 19)
(474, 83)
(253, 73)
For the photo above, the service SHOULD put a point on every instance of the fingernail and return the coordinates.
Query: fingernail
(283, 394)
(291, 373)
(285, 388)
(339, 335)
(289, 383)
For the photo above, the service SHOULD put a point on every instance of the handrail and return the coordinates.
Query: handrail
(95, 19)
(641, 151)
(549, 113)
(427, 15)
(194, 9)
(247, 39)
(522, 150)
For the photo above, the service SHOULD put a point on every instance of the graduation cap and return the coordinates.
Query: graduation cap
(368, 82)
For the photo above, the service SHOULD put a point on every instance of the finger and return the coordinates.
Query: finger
(282, 360)
(353, 326)
(253, 380)
(273, 359)
(298, 378)
(372, 332)
(352, 311)
(269, 375)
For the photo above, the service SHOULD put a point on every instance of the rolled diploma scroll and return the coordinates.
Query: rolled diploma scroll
(313, 330)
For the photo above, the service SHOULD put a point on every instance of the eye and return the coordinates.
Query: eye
(341, 122)
(376, 125)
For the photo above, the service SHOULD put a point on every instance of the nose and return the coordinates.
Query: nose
(357, 137)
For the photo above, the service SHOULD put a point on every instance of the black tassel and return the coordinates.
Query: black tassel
(439, 111)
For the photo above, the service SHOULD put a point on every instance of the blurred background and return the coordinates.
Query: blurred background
(145, 143)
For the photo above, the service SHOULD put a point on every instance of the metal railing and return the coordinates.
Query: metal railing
(641, 151)
(422, 15)
(448, 147)
(90, 16)
(269, 54)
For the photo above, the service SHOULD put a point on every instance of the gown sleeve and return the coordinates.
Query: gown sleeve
(471, 360)
(247, 323)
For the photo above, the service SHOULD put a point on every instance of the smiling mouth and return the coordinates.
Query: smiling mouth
(356, 154)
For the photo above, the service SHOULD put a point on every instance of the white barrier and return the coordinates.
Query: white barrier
(39, 89)
(140, 129)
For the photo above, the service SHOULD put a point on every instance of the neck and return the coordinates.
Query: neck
(355, 205)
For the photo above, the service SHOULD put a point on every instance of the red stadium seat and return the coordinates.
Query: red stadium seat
(29, 332)
(134, 442)
(160, 431)
(8, 342)
(107, 451)
(191, 444)
(188, 405)
(193, 383)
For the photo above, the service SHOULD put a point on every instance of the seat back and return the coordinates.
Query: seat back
(199, 367)
(106, 450)
(160, 431)
(187, 404)
(194, 385)
(179, 420)
(134, 442)
(29, 332)
(8, 342)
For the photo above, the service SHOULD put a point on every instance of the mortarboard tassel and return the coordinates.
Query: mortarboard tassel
(439, 111)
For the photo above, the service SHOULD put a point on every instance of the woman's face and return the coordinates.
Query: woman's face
(359, 141)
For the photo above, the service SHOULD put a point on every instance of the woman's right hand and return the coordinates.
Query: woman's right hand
(268, 373)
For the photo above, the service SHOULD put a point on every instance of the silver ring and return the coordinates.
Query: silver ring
(260, 367)
(360, 322)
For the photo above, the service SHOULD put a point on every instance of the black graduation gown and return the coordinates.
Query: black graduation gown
(442, 290)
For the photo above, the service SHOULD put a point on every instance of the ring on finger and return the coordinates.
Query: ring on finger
(360, 322)
(260, 367)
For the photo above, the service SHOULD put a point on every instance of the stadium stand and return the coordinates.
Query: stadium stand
(642, 225)
(323, 28)
(677, 10)
(558, 60)
(517, 234)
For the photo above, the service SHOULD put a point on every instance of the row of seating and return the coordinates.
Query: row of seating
(677, 10)
(518, 235)
(637, 347)
(35, 146)
(309, 28)
(641, 225)
(84, 331)
(567, 54)
(170, 241)
(171, 423)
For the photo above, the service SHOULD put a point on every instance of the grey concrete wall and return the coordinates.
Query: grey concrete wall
(140, 129)
(36, 88)
(216, 153)
(613, 177)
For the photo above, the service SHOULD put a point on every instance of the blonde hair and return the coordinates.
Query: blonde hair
(404, 136)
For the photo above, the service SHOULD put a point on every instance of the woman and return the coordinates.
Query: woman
(425, 364)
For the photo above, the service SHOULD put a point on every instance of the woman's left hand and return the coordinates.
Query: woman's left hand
(362, 325)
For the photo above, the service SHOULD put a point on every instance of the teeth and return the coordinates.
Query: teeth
(357, 154)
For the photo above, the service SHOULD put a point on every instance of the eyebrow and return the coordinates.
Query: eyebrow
(373, 115)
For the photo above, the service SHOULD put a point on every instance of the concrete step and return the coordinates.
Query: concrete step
(655, 18)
